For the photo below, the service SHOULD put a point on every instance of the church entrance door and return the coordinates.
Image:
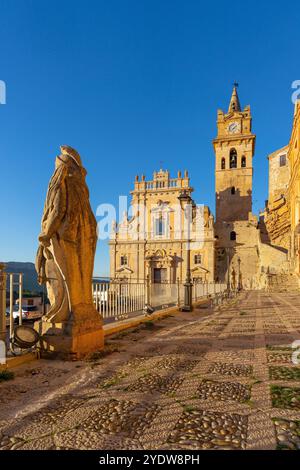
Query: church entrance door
(160, 275)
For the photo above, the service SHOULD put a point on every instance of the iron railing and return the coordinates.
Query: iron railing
(121, 299)
(114, 299)
(118, 299)
(14, 283)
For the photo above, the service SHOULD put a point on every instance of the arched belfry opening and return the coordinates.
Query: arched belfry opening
(233, 158)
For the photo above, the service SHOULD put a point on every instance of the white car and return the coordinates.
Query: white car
(30, 312)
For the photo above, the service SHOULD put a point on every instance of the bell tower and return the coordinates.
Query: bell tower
(234, 151)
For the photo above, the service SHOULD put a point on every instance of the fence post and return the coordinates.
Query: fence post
(178, 292)
(20, 297)
(148, 300)
(2, 302)
(11, 306)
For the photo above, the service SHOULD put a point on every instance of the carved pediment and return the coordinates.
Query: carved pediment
(199, 269)
(125, 270)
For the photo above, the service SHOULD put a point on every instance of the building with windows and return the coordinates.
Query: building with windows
(237, 248)
(153, 241)
(293, 192)
(236, 228)
(279, 174)
(245, 248)
(282, 212)
(275, 220)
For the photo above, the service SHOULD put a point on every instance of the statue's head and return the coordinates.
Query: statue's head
(72, 153)
(68, 155)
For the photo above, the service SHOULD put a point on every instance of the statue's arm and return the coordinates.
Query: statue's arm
(55, 215)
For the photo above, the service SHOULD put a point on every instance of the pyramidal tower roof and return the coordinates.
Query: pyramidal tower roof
(234, 104)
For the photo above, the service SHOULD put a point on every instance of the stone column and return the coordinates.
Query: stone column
(135, 261)
(2, 302)
(170, 272)
(112, 259)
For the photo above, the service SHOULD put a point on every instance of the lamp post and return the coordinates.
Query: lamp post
(228, 270)
(239, 274)
(2, 302)
(185, 203)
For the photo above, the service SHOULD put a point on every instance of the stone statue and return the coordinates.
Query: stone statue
(65, 257)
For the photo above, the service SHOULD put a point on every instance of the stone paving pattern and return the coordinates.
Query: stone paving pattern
(218, 378)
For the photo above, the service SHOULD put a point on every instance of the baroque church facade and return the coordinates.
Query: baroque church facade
(154, 241)
(236, 247)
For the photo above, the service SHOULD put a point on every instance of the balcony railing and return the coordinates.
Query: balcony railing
(171, 183)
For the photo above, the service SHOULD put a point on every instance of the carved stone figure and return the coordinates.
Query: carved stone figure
(65, 257)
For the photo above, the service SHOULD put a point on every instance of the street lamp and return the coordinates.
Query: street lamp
(239, 274)
(185, 203)
(228, 269)
(2, 304)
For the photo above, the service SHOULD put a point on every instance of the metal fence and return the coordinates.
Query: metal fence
(117, 300)
(13, 282)
(203, 289)
(114, 300)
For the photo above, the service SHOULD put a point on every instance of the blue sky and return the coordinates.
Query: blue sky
(130, 84)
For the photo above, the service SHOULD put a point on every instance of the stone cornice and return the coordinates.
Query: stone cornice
(235, 138)
(157, 242)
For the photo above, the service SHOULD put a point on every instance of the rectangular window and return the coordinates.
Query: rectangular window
(197, 259)
(123, 260)
(282, 160)
(159, 226)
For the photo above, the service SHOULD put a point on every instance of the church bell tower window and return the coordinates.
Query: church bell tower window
(233, 158)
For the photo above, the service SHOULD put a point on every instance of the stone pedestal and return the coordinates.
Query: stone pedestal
(72, 339)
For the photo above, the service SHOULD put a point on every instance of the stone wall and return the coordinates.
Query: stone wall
(279, 173)
(277, 222)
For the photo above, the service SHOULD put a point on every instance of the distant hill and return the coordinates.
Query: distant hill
(30, 277)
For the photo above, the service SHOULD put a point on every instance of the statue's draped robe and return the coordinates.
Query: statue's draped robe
(67, 263)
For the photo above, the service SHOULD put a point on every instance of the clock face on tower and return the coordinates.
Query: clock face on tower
(233, 128)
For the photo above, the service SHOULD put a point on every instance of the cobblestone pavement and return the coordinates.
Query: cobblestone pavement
(220, 379)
